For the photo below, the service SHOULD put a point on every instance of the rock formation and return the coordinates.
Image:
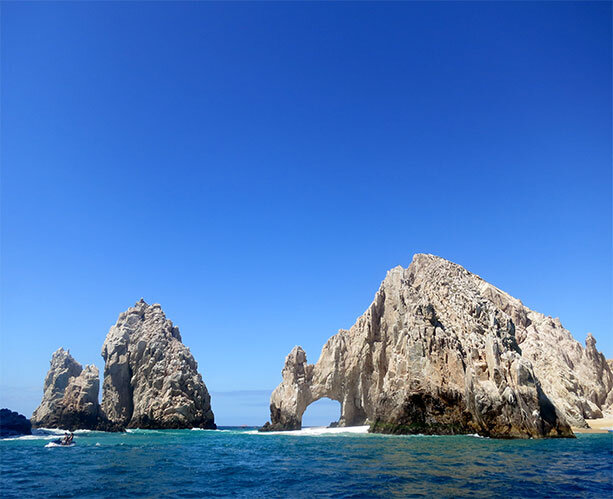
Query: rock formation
(608, 409)
(13, 424)
(151, 379)
(440, 350)
(70, 399)
(578, 380)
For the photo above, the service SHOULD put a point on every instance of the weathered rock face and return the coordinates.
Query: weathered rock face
(13, 424)
(151, 379)
(577, 380)
(70, 399)
(442, 351)
(608, 408)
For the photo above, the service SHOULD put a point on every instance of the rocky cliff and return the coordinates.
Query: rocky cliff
(440, 350)
(70, 398)
(151, 379)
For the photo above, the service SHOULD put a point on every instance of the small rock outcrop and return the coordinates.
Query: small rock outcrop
(70, 398)
(13, 424)
(151, 379)
(441, 351)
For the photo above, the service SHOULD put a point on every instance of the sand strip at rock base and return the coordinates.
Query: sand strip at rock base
(601, 425)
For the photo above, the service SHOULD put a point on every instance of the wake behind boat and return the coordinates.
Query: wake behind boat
(58, 443)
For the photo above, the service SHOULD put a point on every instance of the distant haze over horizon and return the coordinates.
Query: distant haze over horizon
(256, 168)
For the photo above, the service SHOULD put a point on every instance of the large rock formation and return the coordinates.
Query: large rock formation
(442, 351)
(151, 379)
(13, 424)
(70, 399)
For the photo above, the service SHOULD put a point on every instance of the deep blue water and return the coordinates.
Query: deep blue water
(239, 463)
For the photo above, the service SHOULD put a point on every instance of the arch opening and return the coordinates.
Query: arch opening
(322, 412)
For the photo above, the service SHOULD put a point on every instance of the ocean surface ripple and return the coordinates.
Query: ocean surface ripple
(243, 463)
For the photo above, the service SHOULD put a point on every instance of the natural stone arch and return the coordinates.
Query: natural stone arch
(322, 412)
(437, 351)
(305, 383)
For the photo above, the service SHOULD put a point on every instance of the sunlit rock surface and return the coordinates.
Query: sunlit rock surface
(70, 398)
(151, 379)
(442, 351)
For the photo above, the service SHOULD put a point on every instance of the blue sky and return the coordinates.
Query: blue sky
(256, 168)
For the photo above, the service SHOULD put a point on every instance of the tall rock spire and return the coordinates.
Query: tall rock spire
(151, 379)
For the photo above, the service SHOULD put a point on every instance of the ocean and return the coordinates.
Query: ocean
(240, 462)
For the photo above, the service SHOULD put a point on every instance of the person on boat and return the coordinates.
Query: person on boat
(67, 440)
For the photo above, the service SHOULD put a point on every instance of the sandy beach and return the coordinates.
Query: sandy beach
(601, 425)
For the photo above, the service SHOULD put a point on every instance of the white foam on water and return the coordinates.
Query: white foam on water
(316, 431)
(59, 431)
(48, 431)
(142, 431)
(53, 444)
(40, 434)
(31, 437)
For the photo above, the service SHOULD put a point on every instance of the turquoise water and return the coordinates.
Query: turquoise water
(238, 462)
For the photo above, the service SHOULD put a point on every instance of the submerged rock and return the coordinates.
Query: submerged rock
(151, 379)
(13, 424)
(70, 398)
(442, 351)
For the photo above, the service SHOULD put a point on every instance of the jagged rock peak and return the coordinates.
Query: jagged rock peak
(151, 379)
(440, 350)
(70, 398)
(577, 380)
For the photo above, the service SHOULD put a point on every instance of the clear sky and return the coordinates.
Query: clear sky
(256, 168)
